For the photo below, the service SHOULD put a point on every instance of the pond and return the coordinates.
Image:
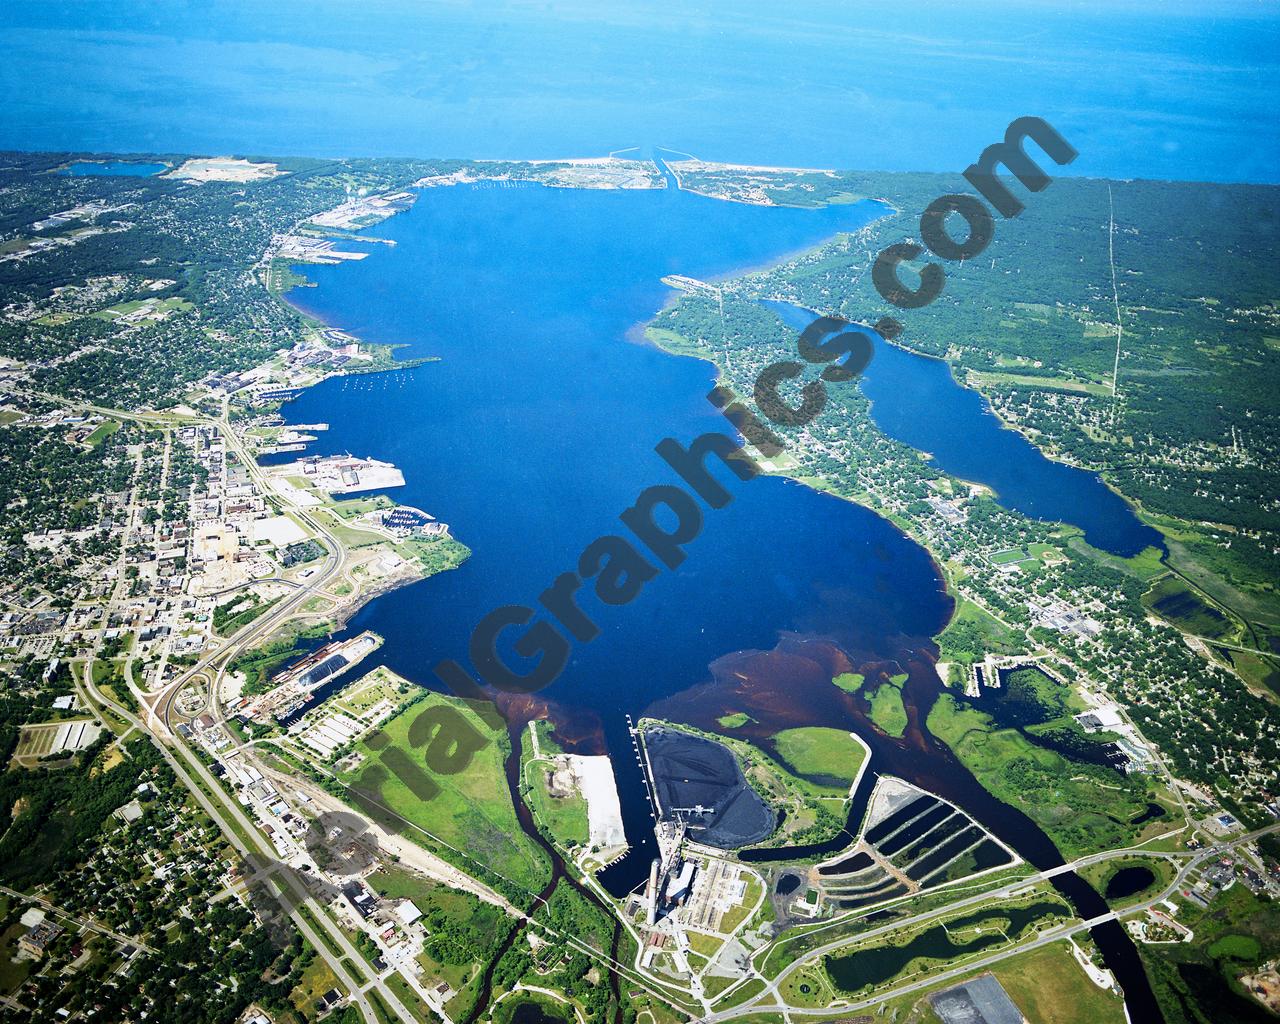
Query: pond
(787, 884)
(879, 964)
(1129, 882)
(532, 1013)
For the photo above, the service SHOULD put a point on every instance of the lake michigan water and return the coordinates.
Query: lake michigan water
(112, 169)
(1176, 91)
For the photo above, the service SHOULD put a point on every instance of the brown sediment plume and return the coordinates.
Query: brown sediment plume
(578, 730)
(791, 685)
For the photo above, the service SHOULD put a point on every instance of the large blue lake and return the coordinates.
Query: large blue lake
(536, 429)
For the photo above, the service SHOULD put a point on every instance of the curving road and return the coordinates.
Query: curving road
(1051, 935)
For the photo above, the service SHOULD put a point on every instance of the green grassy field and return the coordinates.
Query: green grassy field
(1260, 672)
(241, 615)
(670, 341)
(850, 682)
(1227, 575)
(413, 1002)
(1050, 987)
(316, 980)
(972, 634)
(986, 378)
(820, 751)
(809, 986)
(883, 696)
(12, 974)
(103, 431)
(887, 710)
(372, 689)
(706, 945)
(467, 816)
(434, 554)
(564, 818)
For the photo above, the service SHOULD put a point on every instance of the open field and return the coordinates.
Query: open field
(1050, 987)
(985, 378)
(850, 682)
(12, 974)
(887, 710)
(561, 814)
(35, 742)
(316, 980)
(972, 634)
(376, 687)
(821, 751)
(883, 696)
(468, 812)
(1173, 600)
(103, 431)
(1262, 673)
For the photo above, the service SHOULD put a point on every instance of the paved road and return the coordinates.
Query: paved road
(216, 663)
(249, 583)
(1193, 861)
(83, 922)
(223, 811)
(1055, 934)
(220, 807)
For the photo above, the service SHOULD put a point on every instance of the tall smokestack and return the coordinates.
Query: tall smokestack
(652, 894)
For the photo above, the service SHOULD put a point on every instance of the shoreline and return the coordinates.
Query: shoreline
(638, 332)
(905, 528)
